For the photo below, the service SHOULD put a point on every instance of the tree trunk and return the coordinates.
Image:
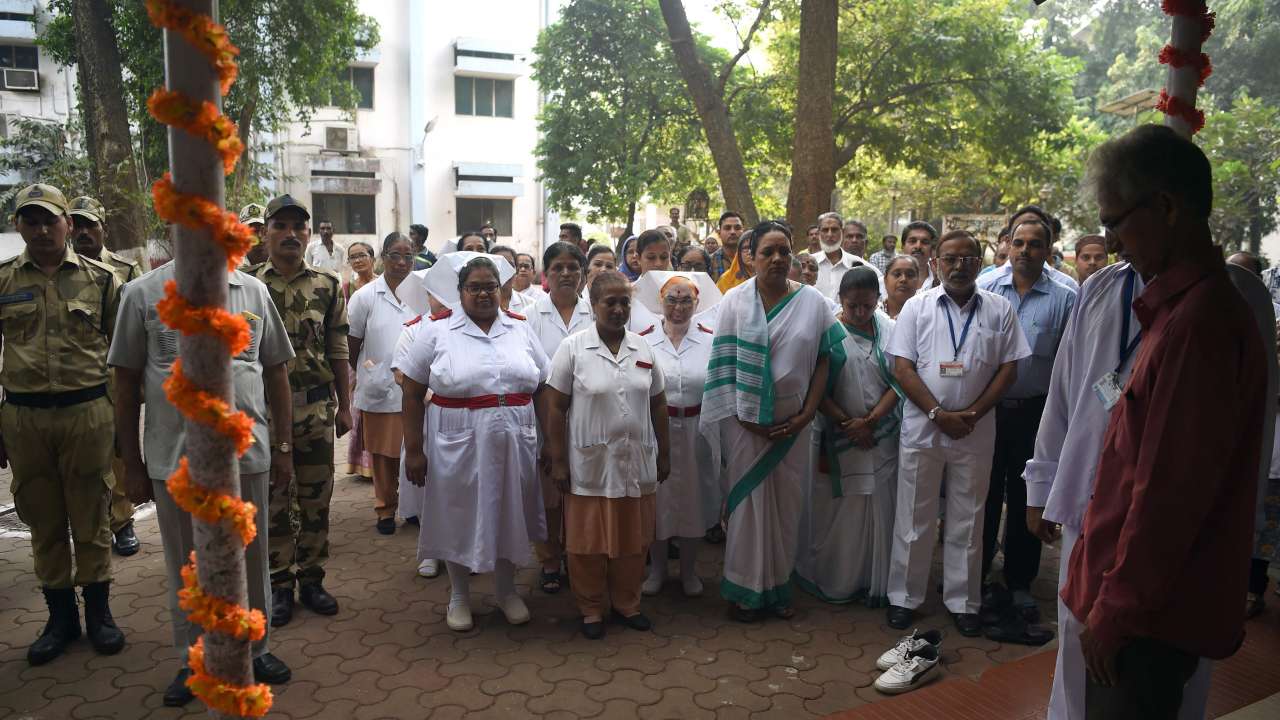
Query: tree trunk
(813, 171)
(629, 230)
(712, 112)
(244, 124)
(107, 127)
(201, 273)
(1255, 224)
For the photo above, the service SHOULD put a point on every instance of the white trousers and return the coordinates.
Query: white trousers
(1066, 701)
(915, 530)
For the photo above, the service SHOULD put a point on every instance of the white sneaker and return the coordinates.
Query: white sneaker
(915, 670)
(653, 584)
(429, 568)
(458, 618)
(915, 641)
(514, 608)
(692, 586)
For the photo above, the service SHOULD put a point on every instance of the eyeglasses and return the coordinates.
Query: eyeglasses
(965, 260)
(677, 301)
(1111, 226)
(397, 257)
(693, 266)
(358, 256)
(478, 290)
(524, 266)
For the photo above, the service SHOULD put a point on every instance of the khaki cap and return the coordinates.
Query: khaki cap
(252, 213)
(86, 206)
(283, 202)
(46, 196)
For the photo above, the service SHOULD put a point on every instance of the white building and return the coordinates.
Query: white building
(32, 86)
(444, 134)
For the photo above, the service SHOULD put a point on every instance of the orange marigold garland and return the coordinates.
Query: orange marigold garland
(194, 211)
(249, 701)
(202, 33)
(215, 614)
(189, 319)
(204, 120)
(212, 508)
(1178, 58)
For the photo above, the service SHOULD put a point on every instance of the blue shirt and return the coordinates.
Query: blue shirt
(1043, 314)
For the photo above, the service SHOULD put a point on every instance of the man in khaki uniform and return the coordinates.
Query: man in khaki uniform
(314, 311)
(88, 237)
(57, 315)
(251, 215)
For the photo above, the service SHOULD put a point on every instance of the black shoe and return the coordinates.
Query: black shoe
(101, 628)
(412, 521)
(635, 622)
(386, 526)
(714, 535)
(281, 606)
(178, 694)
(593, 630)
(124, 542)
(968, 624)
(271, 670)
(315, 599)
(996, 601)
(743, 614)
(62, 628)
(898, 617)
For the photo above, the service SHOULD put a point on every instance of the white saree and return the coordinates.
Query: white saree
(760, 369)
(847, 527)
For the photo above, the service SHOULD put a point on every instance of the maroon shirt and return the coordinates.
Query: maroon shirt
(1164, 553)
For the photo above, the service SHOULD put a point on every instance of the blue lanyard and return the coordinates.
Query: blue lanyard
(1127, 346)
(963, 333)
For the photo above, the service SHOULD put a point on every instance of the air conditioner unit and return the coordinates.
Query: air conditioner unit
(341, 139)
(21, 79)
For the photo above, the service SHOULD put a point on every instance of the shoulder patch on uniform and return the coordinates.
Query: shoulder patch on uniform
(706, 329)
(515, 315)
(645, 331)
(254, 268)
(441, 315)
(97, 264)
(327, 273)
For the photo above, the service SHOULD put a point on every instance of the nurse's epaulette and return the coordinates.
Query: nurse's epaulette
(515, 315)
(646, 331)
(442, 314)
(414, 321)
(706, 329)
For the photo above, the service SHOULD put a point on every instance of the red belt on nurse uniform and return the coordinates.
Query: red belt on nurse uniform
(480, 402)
(684, 412)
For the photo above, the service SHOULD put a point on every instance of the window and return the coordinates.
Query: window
(361, 78)
(350, 214)
(473, 212)
(19, 57)
(483, 97)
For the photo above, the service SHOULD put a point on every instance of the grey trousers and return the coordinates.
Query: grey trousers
(175, 536)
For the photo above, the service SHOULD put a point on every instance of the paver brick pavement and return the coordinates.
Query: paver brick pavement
(388, 654)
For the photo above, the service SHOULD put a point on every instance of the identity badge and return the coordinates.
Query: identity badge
(1108, 390)
(951, 369)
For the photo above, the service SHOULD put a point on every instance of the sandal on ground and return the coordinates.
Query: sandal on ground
(550, 582)
(1018, 632)
(783, 612)
(743, 614)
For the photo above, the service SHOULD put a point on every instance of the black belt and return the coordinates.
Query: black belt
(55, 400)
(1022, 403)
(312, 395)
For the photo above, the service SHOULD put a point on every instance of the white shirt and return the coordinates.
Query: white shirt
(521, 304)
(456, 359)
(377, 317)
(613, 451)
(546, 323)
(318, 256)
(922, 335)
(684, 369)
(829, 273)
(1069, 443)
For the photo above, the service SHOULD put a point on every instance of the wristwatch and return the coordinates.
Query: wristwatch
(933, 414)
(284, 447)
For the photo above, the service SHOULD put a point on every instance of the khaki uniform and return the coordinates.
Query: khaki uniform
(121, 509)
(315, 317)
(57, 428)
